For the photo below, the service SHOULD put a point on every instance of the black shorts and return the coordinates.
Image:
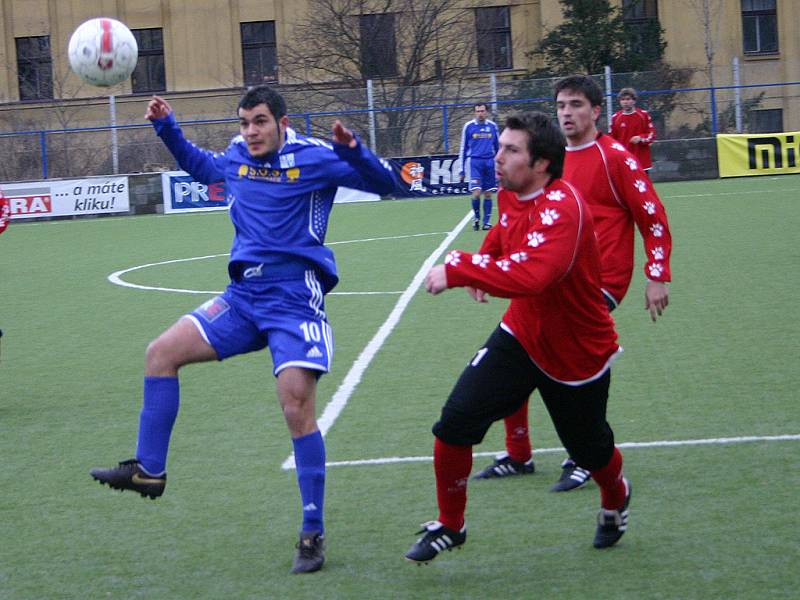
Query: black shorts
(498, 380)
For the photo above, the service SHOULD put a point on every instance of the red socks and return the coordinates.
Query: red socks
(452, 465)
(609, 478)
(518, 442)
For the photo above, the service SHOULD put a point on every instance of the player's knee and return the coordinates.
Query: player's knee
(157, 358)
(451, 431)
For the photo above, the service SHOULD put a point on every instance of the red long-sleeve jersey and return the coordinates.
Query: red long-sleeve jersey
(543, 255)
(625, 126)
(620, 195)
(5, 212)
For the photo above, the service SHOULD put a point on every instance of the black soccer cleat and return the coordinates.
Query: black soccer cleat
(505, 466)
(572, 477)
(129, 475)
(437, 538)
(310, 552)
(476, 224)
(487, 226)
(611, 524)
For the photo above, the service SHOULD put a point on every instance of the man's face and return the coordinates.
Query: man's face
(512, 163)
(261, 132)
(576, 117)
(481, 113)
(627, 103)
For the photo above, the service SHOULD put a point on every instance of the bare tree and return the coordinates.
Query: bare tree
(416, 52)
(708, 13)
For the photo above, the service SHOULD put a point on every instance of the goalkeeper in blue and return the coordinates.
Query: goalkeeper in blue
(280, 188)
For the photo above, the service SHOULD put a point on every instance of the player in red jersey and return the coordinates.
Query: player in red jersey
(556, 335)
(633, 128)
(5, 218)
(620, 196)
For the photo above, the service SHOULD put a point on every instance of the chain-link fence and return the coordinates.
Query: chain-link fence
(399, 121)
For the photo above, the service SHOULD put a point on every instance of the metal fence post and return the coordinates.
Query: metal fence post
(308, 124)
(371, 106)
(609, 93)
(445, 130)
(713, 110)
(43, 146)
(493, 91)
(112, 109)
(737, 94)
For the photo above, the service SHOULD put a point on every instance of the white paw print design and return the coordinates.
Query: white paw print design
(656, 269)
(650, 207)
(549, 216)
(657, 229)
(640, 185)
(658, 253)
(556, 195)
(504, 264)
(618, 146)
(519, 257)
(481, 260)
(535, 239)
(632, 164)
(453, 258)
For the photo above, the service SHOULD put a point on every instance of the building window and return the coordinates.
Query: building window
(34, 68)
(760, 26)
(635, 10)
(378, 46)
(769, 120)
(494, 38)
(148, 76)
(259, 52)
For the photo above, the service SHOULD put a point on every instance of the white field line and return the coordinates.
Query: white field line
(116, 276)
(339, 400)
(537, 451)
(665, 197)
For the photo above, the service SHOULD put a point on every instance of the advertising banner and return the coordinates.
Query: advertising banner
(181, 193)
(744, 155)
(429, 175)
(96, 196)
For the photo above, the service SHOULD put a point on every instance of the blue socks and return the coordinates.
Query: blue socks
(309, 458)
(159, 410)
(487, 210)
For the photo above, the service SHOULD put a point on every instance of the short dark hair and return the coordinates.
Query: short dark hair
(264, 94)
(483, 104)
(545, 139)
(627, 91)
(582, 84)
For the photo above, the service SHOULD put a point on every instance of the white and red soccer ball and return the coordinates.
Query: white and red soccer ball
(103, 52)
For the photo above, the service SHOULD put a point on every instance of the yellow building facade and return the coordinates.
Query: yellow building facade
(208, 49)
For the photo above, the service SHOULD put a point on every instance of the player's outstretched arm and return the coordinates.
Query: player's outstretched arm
(157, 108)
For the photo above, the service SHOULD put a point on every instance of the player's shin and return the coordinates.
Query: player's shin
(609, 478)
(452, 465)
(159, 411)
(309, 458)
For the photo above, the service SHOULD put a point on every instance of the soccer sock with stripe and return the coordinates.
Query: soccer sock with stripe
(159, 411)
(518, 441)
(476, 207)
(452, 465)
(609, 478)
(309, 458)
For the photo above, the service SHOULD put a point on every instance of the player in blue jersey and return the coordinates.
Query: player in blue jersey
(280, 188)
(479, 144)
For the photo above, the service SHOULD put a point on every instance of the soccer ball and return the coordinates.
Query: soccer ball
(103, 52)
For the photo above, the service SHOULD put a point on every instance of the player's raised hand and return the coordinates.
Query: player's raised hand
(157, 108)
(342, 135)
(656, 298)
(477, 294)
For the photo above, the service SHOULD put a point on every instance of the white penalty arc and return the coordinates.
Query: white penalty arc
(116, 276)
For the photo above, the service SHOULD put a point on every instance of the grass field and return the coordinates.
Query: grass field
(717, 519)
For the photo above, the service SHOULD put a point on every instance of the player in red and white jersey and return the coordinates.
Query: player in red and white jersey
(621, 197)
(633, 128)
(5, 212)
(556, 336)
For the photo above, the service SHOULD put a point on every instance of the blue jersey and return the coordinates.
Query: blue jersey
(280, 203)
(478, 140)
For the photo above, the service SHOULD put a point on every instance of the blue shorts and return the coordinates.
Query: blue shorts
(288, 315)
(481, 174)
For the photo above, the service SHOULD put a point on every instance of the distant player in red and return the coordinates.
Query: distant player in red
(633, 128)
(620, 196)
(5, 218)
(556, 335)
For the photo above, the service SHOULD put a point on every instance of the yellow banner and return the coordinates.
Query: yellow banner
(758, 154)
